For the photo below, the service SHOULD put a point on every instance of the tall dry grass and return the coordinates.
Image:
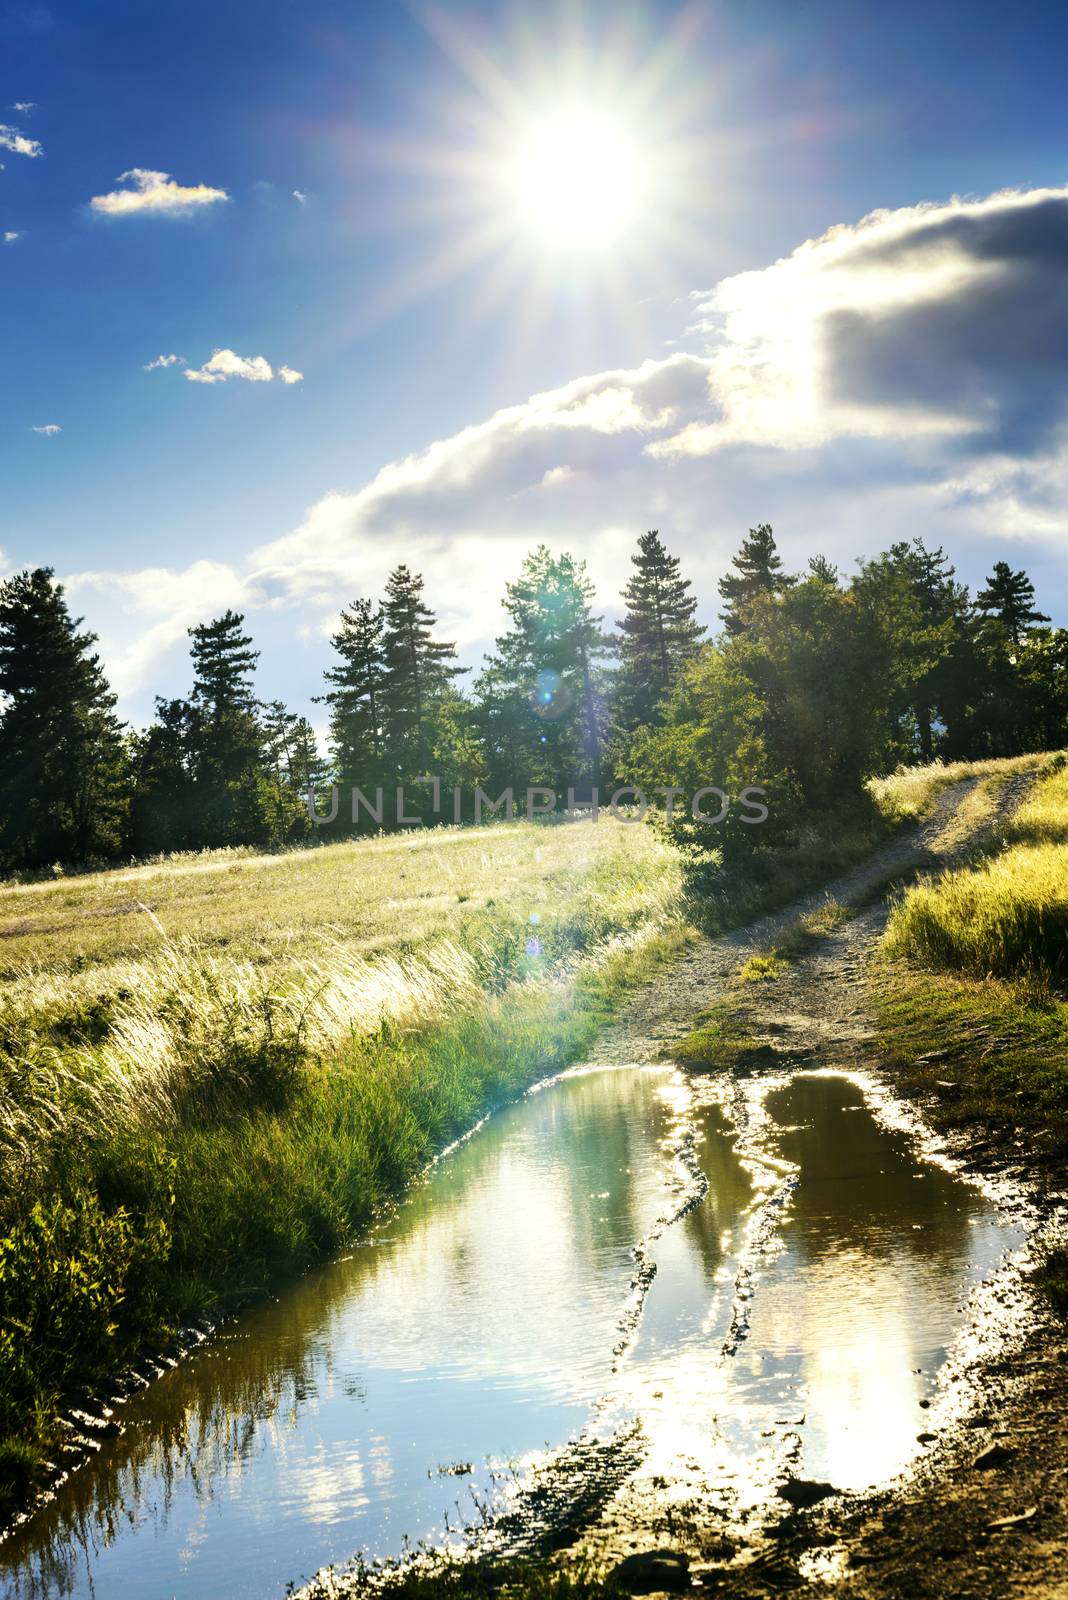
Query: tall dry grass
(218, 1081)
(1006, 917)
(909, 794)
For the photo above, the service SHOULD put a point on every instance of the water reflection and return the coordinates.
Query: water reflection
(798, 1315)
(846, 1276)
(480, 1322)
(856, 1312)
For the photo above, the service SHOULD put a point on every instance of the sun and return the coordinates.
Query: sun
(576, 180)
(565, 170)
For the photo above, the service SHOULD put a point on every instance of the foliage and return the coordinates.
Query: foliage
(417, 669)
(657, 635)
(758, 576)
(970, 996)
(1008, 916)
(181, 1121)
(61, 747)
(542, 696)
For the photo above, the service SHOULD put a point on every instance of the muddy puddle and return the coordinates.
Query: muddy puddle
(766, 1275)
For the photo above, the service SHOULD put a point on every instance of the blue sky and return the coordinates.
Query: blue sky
(936, 409)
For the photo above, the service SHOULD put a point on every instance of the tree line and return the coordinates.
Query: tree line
(813, 683)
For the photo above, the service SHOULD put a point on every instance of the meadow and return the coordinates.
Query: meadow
(214, 1068)
(972, 991)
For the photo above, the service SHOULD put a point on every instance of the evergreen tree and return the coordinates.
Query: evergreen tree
(418, 670)
(1009, 600)
(355, 700)
(658, 632)
(62, 757)
(823, 571)
(758, 575)
(163, 815)
(234, 800)
(934, 640)
(292, 760)
(549, 664)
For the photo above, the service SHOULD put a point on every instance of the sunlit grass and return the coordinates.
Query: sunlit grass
(1006, 917)
(910, 793)
(218, 1081)
(970, 996)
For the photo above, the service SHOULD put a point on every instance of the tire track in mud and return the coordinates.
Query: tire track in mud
(819, 1014)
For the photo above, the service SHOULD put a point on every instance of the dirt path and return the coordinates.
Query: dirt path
(666, 1008)
(941, 1529)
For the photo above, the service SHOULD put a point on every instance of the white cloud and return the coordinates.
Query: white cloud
(932, 321)
(164, 361)
(899, 377)
(458, 510)
(225, 364)
(12, 139)
(161, 603)
(300, 196)
(23, 107)
(11, 237)
(49, 429)
(155, 193)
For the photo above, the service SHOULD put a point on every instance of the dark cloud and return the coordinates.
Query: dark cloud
(989, 350)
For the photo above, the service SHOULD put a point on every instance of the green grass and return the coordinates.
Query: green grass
(970, 994)
(718, 1042)
(184, 1121)
(1008, 916)
(994, 1053)
(142, 1230)
(910, 793)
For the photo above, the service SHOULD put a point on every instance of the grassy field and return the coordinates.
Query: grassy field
(214, 1068)
(971, 996)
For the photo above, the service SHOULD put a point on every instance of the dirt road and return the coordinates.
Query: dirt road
(983, 1511)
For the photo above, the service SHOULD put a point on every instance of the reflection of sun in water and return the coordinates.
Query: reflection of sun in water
(577, 179)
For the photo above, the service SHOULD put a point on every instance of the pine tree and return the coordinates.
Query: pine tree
(934, 637)
(62, 756)
(823, 571)
(658, 632)
(355, 700)
(292, 760)
(1009, 599)
(163, 815)
(758, 573)
(233, 797)
(222, 667)
(549, 661)
(418, 670)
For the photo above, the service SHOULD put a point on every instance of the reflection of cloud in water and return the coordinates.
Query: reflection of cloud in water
(480, 1322)
(851, 1305)
(823, 1267)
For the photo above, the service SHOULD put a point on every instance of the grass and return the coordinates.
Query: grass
(1007, 917)
(970, 994)
(214, 1068)
(910, 793)
(184, 1120)
(717, 1043)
